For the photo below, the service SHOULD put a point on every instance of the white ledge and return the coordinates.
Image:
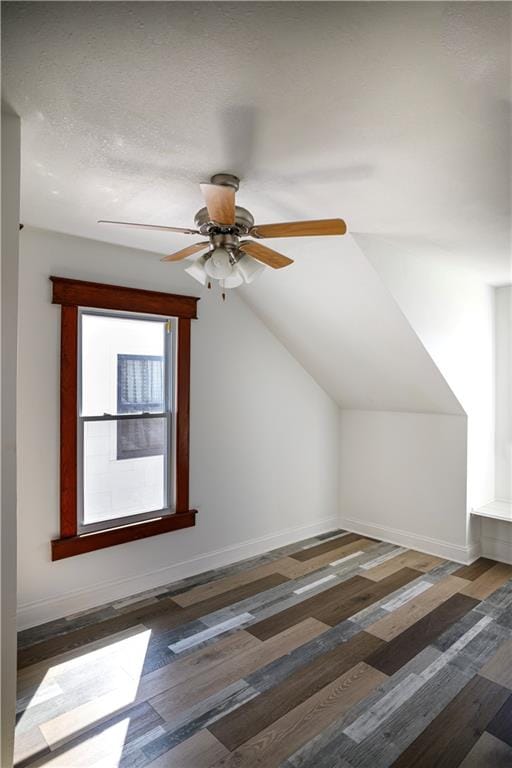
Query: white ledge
(497, 510)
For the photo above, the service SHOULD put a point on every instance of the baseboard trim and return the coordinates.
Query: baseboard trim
(437, 547)
(38, 612)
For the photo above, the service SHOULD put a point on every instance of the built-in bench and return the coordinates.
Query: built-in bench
(496, 510)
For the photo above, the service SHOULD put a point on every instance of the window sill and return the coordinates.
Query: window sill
(89, 542)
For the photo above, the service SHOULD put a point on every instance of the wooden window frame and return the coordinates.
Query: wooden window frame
(73, 295)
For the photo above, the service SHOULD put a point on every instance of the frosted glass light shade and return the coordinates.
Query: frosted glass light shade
(245, 270)
(197, 270)
(218, 265)
(234, 280)
(249, 268)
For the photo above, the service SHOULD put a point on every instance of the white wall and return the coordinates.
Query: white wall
(410, 477)
(9, 283)
(451, 310)
(334, 312)
(503, 321)
(403, 479)
(264, 437)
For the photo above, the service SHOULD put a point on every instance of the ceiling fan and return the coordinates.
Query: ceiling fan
(227, 257)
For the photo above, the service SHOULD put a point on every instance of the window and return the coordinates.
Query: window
(125, 379)
(125, 435)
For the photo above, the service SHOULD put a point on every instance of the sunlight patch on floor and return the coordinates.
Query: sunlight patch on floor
(78, 693)
(103, 750)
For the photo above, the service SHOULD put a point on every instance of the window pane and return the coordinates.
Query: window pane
(140, 437)
(122, 365)
(118, 488)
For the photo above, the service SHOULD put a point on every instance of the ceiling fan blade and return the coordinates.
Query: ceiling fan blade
(265, 255)
(184, 231)
(220, 201)
(188, 251)
(300, 228)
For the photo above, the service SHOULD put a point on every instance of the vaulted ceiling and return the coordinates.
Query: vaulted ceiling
(395, 116)
(333, 313)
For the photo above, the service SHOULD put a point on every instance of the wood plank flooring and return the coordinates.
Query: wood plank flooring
(336, 651)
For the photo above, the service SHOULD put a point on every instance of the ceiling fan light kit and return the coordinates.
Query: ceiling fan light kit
(228, 258)
(220, 264)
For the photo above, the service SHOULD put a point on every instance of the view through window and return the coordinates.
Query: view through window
(140, 388)
(125, 421)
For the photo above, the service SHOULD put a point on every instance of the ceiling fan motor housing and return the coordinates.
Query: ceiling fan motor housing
(225, 235)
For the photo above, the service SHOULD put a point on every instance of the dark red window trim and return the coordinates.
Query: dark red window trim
(72, 294)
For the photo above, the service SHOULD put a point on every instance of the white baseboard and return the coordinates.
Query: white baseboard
(497, 549)
(32, 614)
(437, 547)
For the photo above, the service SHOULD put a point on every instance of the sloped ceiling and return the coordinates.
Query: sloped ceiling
(332, 311)
(394, 115)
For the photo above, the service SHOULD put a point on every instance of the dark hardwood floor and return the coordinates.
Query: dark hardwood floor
(337, 651)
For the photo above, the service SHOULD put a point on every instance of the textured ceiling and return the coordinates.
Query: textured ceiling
(394, 115)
